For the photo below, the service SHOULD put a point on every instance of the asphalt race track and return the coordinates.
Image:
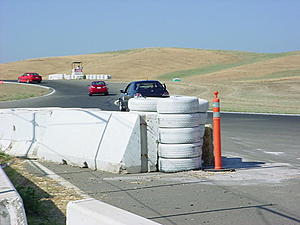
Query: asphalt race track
(264, 149)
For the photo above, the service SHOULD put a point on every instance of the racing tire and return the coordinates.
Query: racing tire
(181, 135)
(179, 151)
(181, 120)
(203, 105)
(121, 107)
(178, 104)
(143, 104)
(177, 165)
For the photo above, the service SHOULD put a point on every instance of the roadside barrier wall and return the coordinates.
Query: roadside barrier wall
(158, 133)
(75, 77)
(91, 138)
(12, 210)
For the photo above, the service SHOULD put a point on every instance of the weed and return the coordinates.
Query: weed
(4, 158)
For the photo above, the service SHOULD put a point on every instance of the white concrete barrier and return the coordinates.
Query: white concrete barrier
(20, 131)
(12, 210)
(94, 212)
(107, 141)
(79, 75)
(56, 76)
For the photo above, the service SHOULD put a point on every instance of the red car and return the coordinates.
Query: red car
(98, 87)
(30, 78)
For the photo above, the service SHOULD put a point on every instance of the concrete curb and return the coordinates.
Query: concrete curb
(93, 212)
(11, 204)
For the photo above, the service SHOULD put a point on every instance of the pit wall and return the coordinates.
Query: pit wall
(108, 141)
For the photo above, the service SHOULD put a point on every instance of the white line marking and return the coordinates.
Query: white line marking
(274, 153)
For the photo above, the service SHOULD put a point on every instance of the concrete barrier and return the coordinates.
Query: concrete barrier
(79, 76)
(94, 212)
(91, 138)
(12, 210)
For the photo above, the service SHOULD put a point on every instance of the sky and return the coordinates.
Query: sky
(46, 28)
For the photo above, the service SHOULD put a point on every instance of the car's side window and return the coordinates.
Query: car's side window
(127, 88)
(131, 89)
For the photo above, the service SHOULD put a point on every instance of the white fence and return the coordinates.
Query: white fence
(79, 77)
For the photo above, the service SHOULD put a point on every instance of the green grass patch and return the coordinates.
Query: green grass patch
(4, 158)
(246, 58)
(18, 91)
(276, 75)
(117, 51)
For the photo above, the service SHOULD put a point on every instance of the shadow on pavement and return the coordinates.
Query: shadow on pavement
(237, 163)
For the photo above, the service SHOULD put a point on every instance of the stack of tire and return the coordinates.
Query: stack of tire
(181, 121)
(143, 104)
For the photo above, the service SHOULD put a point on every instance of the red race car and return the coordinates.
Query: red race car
(98, 87)
(30, 78)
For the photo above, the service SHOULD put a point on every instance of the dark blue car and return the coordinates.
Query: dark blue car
(143, 88)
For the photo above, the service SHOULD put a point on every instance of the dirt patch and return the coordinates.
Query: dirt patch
(45, 200)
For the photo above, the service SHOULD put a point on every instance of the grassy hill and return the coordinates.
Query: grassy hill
(246, 81)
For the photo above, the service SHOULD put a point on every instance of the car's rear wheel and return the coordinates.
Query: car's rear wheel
(90, 94)
(106, 93)
(121, 107)
(28, 81)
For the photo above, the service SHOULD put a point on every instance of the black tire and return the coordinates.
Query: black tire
(106, 93)
(121, 107)
(90, 94)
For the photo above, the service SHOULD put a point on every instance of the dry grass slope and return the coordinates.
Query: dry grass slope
(246, 81)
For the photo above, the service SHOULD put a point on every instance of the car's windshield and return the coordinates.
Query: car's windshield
(148, 85)
(98, 83)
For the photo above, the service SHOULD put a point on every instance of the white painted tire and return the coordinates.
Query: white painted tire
(181, 120)
(178, 104)
(178, 151)
(181, 135)
(143, 104)
(203, 105)
(177, 165)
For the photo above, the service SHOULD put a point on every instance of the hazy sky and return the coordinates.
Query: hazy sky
(42, 28)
